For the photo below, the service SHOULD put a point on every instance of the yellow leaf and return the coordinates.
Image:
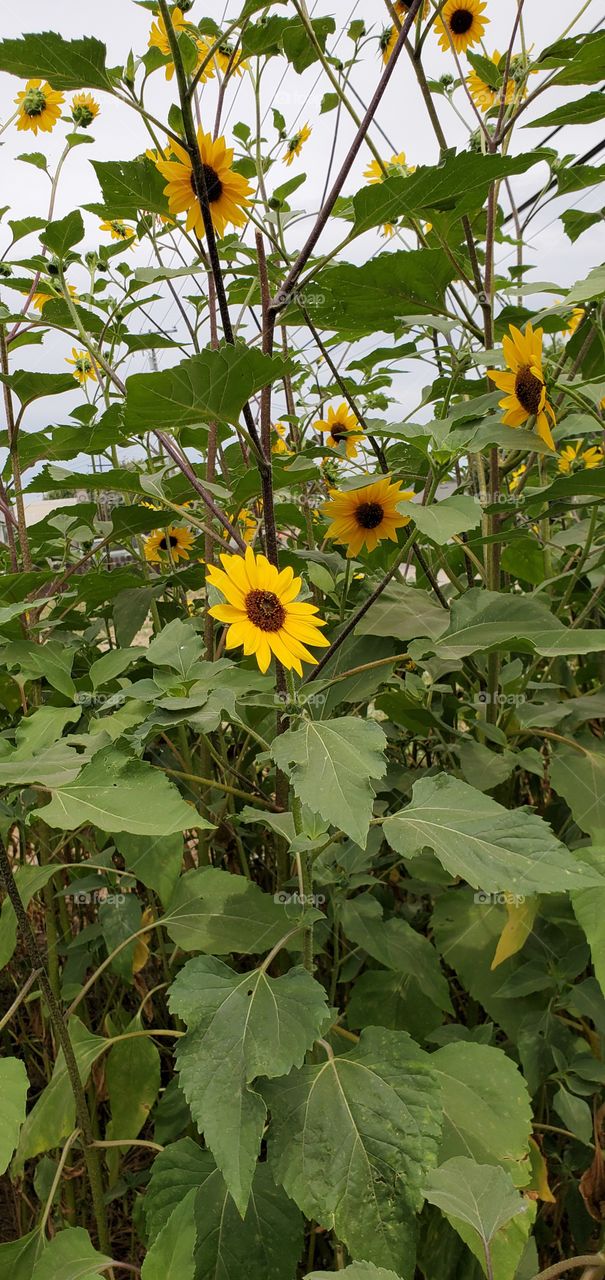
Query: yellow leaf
(520, 921)
(539, 1174)
(141, 951)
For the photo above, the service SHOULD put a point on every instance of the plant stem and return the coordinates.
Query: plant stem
(559, 1268)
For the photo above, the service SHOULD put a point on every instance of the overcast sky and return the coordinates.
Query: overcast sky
(119, 133)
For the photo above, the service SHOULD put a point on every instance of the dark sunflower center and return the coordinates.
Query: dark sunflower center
(265, 610)
(461, 21)
(369, 515)
(339, 431)
(214, 186)
(528, 389)
(34, 102)
(168, 542)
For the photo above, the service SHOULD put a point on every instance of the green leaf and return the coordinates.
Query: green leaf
(129, 187)
(25, 226)
(494, 849)
(405, 613)
(14, 1085)
(442, 520)
(61, 236)
(220, 913)
(119, 919)
(53, 1115)
(66, 64)
(29, 386)
(480, 1195)
(330, 764)
(352, 1141)
(381, 998)
(171, 1254)
(156, 863)
(240, 1026)
(116, 792)
(70, 1256)
(132, 1077)
(577, 221)
(578, 774)
(585, 291)
(18, 1258)
(395, 944)
(483, 620)
(589, 910)
(583, 110)
(359, 1271)
(29, 880)
(213, 386)
(177, 646)
(359, 300)
(581, 57)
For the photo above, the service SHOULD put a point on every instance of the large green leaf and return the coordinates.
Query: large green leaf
(395, 944)
(132, 1076)
(70, 1256)
(171, 1254)
(219, 913)
(29, 386)
(494, 849)
(359, 1271)
(213, 386)
(53, 1116)
(581, 58)
(480, 1195)
(367, 299)
(404, 612)
(482, 620)
(116, 792)
(589, 910)
(66, 64)
(18, 1257)
(14, 1085)
(352, 1140)
(583, 110)
(240, 1026)
(129, 187)
(331, 764)
(62, 235)
(578, 774)
(442, 520)
(156, 863)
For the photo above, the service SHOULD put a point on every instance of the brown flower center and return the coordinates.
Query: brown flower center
(461, 21)
(369, 515)
(528, 390)
(339, 431)
(168, 541)
(265, 610)
(214, 186)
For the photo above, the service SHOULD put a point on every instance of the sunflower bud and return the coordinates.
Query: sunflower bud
(82, 117)
(5, 270)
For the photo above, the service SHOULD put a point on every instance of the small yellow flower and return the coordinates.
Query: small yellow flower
(281, 445)
(47, 293)
(39, 106)
(228, 191)
(387, 43)
(397, 164)
(228, 60)
(209, 71)
(574, 458)
(524, 383)
(486, 95)
(158, 36)
(461, 24)
(516, 477)
(342, 428)
(366, 516)
(296, 143)
(83, 366)
(574, 322)
(264, 613)
(118, 230)
(84, 110)
(175, 543)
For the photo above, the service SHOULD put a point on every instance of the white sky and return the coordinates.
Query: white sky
(119, 133)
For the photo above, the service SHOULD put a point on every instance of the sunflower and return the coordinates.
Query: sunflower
(461, 24)
(84, 109)
(209, 72)
(574, 321)
(524, 385)
(227, 60)
(376, 173)
(574, 458)
(39, 106)
(174, 542)
(158, 36)
(83, 366)
(263, 612)
(516, 477)
(296, 143)
(387, 43)
(486, 94)
(281, 444)
(228, 191)
(48, 294)
(402, 8)
(117, 229)
(341, 427)
(367, 515)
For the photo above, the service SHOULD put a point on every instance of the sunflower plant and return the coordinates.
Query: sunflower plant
(302, 676)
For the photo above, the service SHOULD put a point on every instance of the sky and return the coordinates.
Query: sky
(119, 132)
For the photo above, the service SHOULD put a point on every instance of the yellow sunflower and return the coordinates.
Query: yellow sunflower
(574, 458)
(83, 366)
(374, 173)
(84, 110)
(524, 385)
(209, 72)
(158, 36)
(486, 95)
(341, 427)
(516, 477)
(39, 106)
(281, 444)
(296, 143)
(227, 60)
(263, 612)
(117, 229)
(368, 515)
(461, 24)
(228, 191)
(47, 293)
(175, 542)
(387, 43)
(403, 7)
(574, 321)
